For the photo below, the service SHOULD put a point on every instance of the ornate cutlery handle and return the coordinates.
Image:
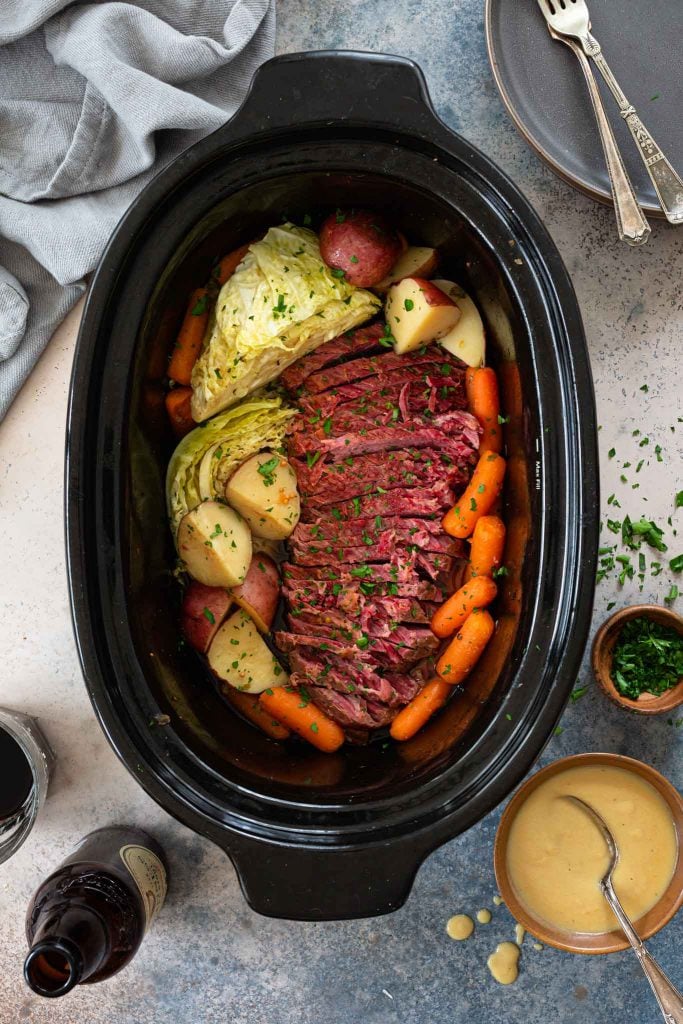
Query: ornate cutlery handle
(631, 223)
(667, 995)
(668, 184)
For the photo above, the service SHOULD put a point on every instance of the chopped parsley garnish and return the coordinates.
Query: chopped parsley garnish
(209, 616)
(281, 307)
(647, 657)
(408, 305)
(338, 272)
(199, 306)
(267, 469)
(312, 458)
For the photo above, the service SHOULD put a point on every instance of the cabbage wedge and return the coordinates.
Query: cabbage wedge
(206, 457)
(281, 303)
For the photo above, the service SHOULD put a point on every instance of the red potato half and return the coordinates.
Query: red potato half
(467, 340)
(204, 609)
(260, 592)
(418, 312)
(416, 261)
(361, 244)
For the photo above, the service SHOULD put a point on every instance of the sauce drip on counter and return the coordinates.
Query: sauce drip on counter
(484, 916)
(503, 963)
(556, 855)
(460, 926)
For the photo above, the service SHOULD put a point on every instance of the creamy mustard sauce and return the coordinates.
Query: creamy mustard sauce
(460, 926)
(484, 916)
(498, 900)
(556, 854)
(503, 963)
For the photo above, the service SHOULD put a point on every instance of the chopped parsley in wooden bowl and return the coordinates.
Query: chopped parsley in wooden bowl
(638, 659)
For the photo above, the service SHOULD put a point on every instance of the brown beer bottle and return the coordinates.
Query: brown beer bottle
(87, 920)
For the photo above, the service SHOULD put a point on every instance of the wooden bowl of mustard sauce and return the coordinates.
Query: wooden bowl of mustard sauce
(551, 884)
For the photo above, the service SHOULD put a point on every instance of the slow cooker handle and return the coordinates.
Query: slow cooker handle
(333, 85)
(298, 883)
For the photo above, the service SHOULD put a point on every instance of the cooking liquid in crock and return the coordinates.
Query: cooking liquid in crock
(556, 855)
(16, 777)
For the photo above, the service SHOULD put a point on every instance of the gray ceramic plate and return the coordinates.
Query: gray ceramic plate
(543, 88)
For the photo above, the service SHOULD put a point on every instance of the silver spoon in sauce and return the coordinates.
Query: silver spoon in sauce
(669, 998)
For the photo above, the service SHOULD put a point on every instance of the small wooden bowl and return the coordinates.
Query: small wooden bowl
(599, 942)
(603, 645)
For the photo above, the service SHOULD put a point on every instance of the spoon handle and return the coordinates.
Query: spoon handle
(667, 995)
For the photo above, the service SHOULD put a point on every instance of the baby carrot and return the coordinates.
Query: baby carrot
(413, 716)
(466, 647)
(228, 265)
(178, 402)
(484, 403)
(486, 549)
(248, 705)
(479, 496)
(190, 337)
(479, 592)
(299, 714)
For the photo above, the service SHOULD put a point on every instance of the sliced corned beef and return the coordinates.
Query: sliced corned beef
(456, 434)
(401, 501)
(400, 573)
(348, 709)
(345, 680)
(450, 388)
(412, 645)
(404, 401)
(371, 544)
(370, 618)
(363, 604)
(357, 530)
(381, 450)
(411, 467)
(355, 343)
(378, 366)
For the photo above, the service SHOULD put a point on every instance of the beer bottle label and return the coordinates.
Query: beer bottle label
(150, 877)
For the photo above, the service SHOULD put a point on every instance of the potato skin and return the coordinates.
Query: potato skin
(362, 244)
(204, 609)
(260, 592)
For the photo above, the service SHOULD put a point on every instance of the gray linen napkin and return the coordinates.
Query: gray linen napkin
(94, 99)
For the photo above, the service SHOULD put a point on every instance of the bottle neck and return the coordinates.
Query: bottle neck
(68, 946)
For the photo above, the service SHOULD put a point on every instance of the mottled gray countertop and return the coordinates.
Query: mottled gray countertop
(209, 958)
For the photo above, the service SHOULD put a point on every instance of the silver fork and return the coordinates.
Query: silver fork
(669, 998)
(632, 225)
(571, 18)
